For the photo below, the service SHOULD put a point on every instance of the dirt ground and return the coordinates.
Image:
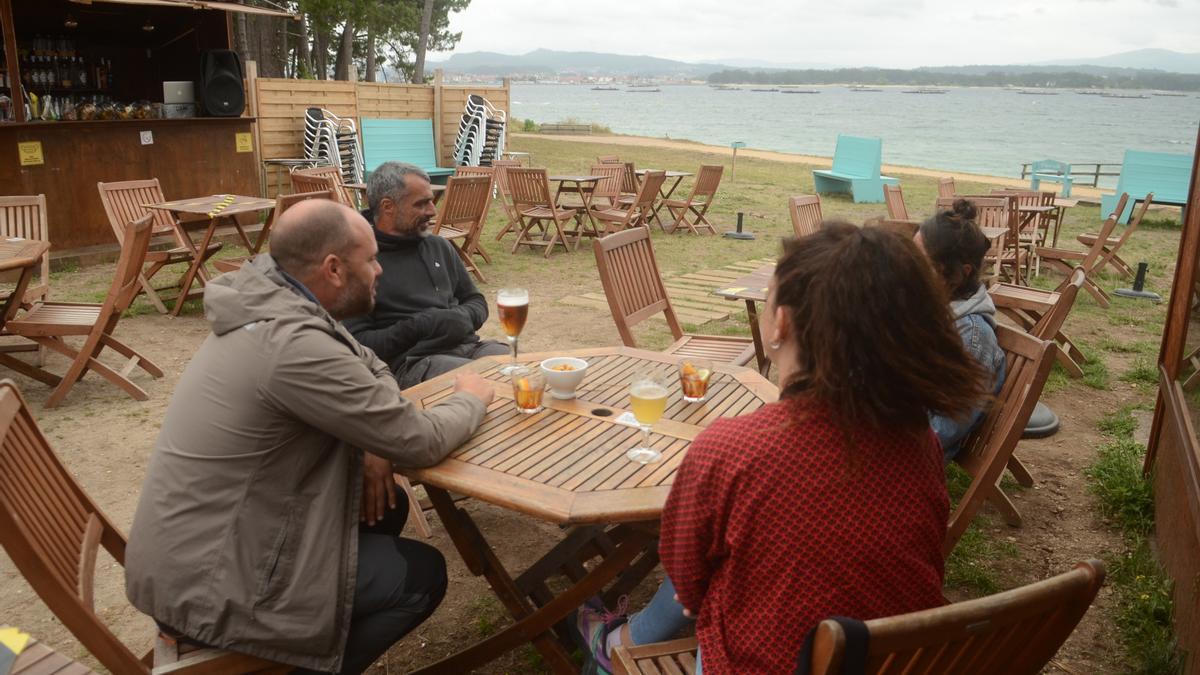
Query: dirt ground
(105, 438)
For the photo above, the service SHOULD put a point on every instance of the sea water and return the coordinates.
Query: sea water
(978, 130)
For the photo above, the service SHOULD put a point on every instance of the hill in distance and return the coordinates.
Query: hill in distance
(549, 62)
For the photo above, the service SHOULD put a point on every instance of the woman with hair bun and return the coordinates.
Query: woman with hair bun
(956, 246)
(831, 501)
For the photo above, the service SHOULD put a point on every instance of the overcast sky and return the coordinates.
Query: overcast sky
(886, 33)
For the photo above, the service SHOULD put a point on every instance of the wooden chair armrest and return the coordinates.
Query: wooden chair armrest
(1059, 254)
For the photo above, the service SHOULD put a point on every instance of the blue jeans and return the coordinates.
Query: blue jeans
(660, 620)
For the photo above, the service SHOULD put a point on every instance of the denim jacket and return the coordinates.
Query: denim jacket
(975, 319)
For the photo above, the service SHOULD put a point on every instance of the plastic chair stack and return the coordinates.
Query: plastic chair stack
(332, 140)
(480, 133)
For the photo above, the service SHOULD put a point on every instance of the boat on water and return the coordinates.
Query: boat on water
(926, 91)
(653, 90)
(1028, 92)
(799, 91)
(1124, 96)
(605, 89)
(865, 89)
(764, 90)
(1090, 93)
(1172, 94)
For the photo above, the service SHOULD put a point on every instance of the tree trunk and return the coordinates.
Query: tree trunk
(345, 52)
(369, 74)
(243, 39)
(304, 66)
(423, 43)
(321, 58)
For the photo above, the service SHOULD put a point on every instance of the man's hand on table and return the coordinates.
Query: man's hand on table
(379, 488)
(475, 385)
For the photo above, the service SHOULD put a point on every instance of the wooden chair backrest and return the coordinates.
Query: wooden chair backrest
(1051, 322)
(1134, 221)
(528, 188)
(609, 187)
(1093, 257)
(1011, 633)
(465, 204)
(302, 183)
(134, 246)
(986, 451)
(805, 211)
(652, 182)
(894, 199)
(474, 171)
(608, 159)
(991, 211)
(501, 167)
(946, 187)
(123, 204)
(631, 281)
(334, 174)
(51, 530)
(630, 183)
(707, 182)
(24, 216)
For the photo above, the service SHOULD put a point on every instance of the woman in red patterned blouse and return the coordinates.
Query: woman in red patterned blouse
(833, 500)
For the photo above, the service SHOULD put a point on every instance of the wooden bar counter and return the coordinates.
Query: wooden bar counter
(191, 157)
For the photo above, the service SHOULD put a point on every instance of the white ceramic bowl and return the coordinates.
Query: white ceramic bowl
(564, 382)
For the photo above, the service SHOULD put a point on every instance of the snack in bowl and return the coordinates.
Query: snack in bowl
(564, 374)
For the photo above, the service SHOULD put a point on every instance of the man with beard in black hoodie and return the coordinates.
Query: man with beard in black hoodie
(427, 309)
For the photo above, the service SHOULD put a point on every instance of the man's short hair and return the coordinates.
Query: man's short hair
(388, 180)
(300, 243)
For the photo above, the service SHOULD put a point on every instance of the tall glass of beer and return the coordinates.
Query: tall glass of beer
(512, 306)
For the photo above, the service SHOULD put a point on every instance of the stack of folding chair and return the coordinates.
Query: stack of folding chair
(480, 134)
(333, 140)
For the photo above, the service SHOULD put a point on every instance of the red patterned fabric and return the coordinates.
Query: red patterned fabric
(774, 524)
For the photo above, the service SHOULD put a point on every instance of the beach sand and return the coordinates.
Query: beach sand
(1083, 193)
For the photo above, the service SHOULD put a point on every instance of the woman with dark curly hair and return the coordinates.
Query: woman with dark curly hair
(831, 501)
(956, 246)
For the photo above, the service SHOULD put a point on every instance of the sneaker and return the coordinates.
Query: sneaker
(594, 623)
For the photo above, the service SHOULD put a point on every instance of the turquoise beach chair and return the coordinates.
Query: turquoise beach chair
(1051, 171)
(856, 165)
(401, 141)
(1168, 176)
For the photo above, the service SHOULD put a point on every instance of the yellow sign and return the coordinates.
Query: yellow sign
(30, 153)
(245, 142)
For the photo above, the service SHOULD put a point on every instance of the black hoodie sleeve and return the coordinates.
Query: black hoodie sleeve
(391, 342)
(471, 303)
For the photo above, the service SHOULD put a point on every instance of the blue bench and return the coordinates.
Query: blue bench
(1053, 171)
(401, 141)
(856, 165)
(1168, 176)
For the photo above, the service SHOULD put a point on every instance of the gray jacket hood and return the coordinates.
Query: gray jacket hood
(260, 291)
(979, 303)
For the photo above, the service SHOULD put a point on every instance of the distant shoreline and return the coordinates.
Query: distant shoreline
(1083, 193)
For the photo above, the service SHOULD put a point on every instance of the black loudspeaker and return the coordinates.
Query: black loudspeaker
(221, 89)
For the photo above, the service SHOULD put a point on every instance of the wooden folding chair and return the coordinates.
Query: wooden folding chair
(1015, 632)
(635, 292)
(805, 211)
(1066, 261)
(630, 184)
(698, 202)
(460, 219)
(946, 189)
(48, 323)
(637, 213)
(1112, 245)
(608, 159)
(25, 217)
(52, 531)
(471, 171)
(321, 178)
(123, 204)
(504, 195)
(1034, 229)
(536, 212)
(986, 451)
(1042, 314)
(997, 211)
(282, 203)
(893, 197)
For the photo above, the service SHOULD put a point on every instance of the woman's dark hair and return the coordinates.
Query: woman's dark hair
(952, 240)
(873, 330)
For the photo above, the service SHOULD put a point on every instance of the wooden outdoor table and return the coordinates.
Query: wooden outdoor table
(667, 189)
(215, 209)
(1061, 204)
(752, 288)
(583, 186)
(566, 465)
(39, 659)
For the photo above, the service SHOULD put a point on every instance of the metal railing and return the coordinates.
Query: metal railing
(1082, 172)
